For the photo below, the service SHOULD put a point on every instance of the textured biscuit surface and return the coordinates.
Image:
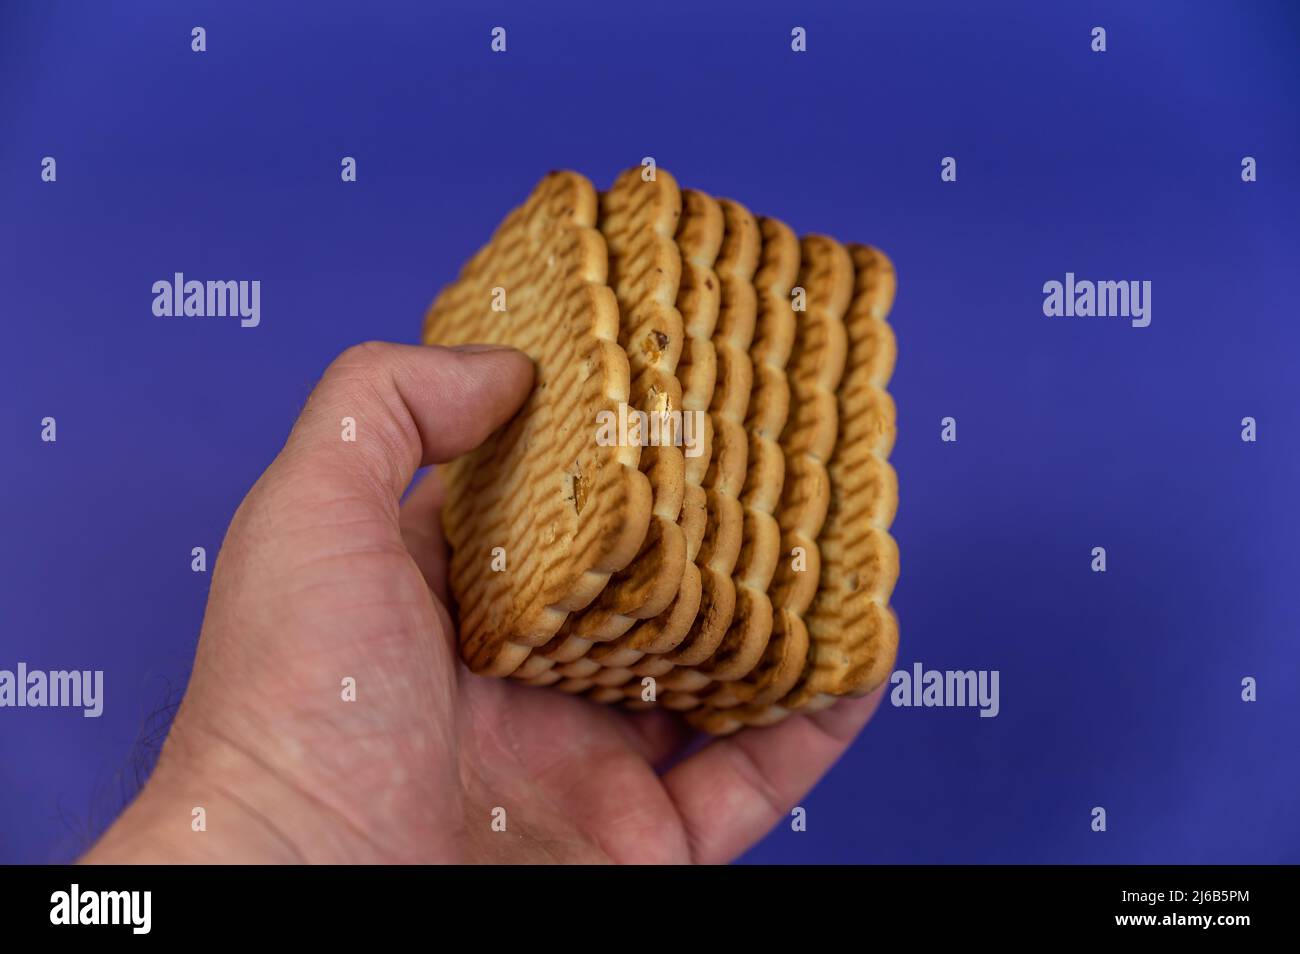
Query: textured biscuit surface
(743, 583)
(732, 624)
(699, 238)
(638, 218)
(743, 645)
(566, 512)
(733, 333)
(852, 633)
(815, 367)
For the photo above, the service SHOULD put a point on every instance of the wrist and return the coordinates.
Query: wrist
(209, 802)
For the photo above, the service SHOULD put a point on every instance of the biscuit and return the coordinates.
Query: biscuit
(744, 643)
(742, 584)
(699, 238)
(638, 218)
(724, 480)
(815, 365)
(744, 647)
(565, 512)
(816, 368)
(852, 632)
(775, 674)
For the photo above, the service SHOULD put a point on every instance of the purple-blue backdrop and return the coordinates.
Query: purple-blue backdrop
(1119, 690)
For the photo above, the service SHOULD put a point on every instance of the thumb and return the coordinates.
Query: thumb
(409, 406)
(379, 413)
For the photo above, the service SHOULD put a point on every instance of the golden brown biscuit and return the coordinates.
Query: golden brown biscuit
(852, 632)
(745, 645)
(816, 367)
(746, 638)
(638, 217)
(733, 334)
(562, 512)
(699, 238)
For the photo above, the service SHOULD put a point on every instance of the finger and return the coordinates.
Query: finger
(331, 495)
(408, 406)
(732, 792)
(421, 529)
(658, 735)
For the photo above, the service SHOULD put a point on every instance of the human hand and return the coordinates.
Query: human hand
(325, 575)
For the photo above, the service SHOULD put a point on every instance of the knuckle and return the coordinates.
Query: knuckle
(362, 369)
(366, 357)
(359, 382)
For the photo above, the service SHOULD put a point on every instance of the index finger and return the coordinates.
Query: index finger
(732, 792)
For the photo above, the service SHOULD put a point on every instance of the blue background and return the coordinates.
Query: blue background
(1119, 690)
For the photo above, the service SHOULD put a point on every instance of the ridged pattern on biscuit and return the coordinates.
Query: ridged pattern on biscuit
(733, 334)
(774, 339)
(567, 512)
(638, 219)
(818, 351)
(815, 369)
(853, 635)
(743, 647)
(699, 239)
(744, 666)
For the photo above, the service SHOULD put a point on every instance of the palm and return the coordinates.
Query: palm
(538, 775)
(577, 781)
(325, 583)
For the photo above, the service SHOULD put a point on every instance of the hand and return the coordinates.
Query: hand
(326, 575)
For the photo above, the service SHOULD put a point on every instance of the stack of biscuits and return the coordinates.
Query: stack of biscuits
(692, 508)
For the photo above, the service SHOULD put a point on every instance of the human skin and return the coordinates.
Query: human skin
(327, 574)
